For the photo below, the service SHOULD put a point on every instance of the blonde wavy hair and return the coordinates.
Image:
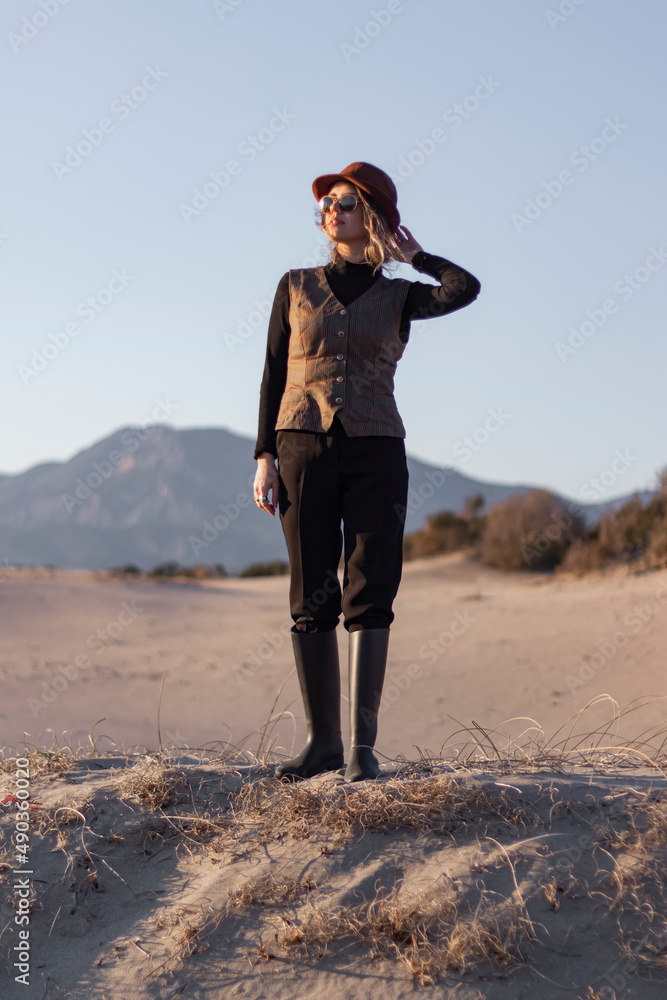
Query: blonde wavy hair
(381, 246)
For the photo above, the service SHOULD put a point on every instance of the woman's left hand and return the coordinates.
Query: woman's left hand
(406, 245)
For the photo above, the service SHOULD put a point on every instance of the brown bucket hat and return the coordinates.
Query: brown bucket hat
(370, 179)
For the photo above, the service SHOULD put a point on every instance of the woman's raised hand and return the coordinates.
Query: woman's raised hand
(405, 246)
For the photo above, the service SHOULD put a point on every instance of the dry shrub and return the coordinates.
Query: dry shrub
(657, 546)
(626, 533)
(446, 532)
(530, 531)
(582, 556)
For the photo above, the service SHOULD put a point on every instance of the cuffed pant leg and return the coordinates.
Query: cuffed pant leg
(374, 497)
(310, 515)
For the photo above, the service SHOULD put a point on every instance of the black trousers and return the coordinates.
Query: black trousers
(326, 478)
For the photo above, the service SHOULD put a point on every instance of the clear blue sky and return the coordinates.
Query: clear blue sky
(170, 92)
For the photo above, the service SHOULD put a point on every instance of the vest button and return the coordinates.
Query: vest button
(343, 312)
(339, 357)
(338, 399)
(341, 333)
(340, 378)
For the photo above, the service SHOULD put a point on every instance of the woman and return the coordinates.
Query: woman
(328, 414)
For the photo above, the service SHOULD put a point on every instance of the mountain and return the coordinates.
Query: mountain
(149, 495)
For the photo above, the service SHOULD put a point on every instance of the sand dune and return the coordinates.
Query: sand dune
(169, 877)
(513, 846)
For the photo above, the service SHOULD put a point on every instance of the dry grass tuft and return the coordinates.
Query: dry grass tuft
(601, 747)
(439, 804)
(269, 890)
(51, 820)
(427, 932)
(189, 926)
(41, 761)
(57, 760)
(639, 879)
(152, 781)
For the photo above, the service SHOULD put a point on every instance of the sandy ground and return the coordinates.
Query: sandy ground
(467, 644)
(529, 839)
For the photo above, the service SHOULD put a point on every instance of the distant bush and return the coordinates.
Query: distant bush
(173, 568)
(657, 548)
(635, 533)
(127, 568)
(581, 557)
(275, 568)
(205, 572)
(627, 534)
(166, 569)
(529, 531)
(446, 531)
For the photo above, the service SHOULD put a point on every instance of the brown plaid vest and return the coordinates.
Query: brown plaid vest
(342, 359)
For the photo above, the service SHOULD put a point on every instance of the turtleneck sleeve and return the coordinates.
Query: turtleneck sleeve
(275, 370)
(457, 288)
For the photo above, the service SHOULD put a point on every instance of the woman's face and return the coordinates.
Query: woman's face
(344, 226)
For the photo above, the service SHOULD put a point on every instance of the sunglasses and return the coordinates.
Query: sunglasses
(347, 203)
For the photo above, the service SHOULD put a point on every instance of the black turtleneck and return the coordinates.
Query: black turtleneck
(348, 281)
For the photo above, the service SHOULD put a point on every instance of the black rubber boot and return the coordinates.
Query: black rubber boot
(318, 670)
(367, 663)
